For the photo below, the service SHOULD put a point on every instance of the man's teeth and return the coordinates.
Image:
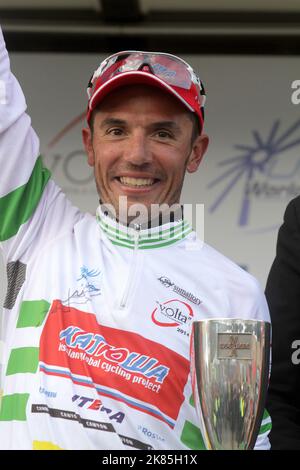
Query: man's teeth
(136, 181)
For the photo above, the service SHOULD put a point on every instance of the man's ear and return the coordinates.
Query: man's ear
(198, 150)
(87, 139)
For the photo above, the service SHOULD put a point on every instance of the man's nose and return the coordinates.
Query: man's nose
(137, 150)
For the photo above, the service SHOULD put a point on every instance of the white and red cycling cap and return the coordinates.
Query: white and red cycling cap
(166, 71)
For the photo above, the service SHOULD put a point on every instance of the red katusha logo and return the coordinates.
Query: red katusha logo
(172, 313)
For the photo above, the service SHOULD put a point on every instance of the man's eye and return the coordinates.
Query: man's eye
(164, 134)
(115, 131)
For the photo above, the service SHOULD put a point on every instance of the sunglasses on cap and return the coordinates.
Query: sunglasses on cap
(167, 71)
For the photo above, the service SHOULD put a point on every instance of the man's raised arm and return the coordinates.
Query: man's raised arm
(26, 194)
(22, 176)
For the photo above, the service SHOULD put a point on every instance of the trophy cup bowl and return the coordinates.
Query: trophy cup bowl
(230, 372)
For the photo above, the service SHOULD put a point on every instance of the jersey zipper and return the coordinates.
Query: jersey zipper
(133, 267)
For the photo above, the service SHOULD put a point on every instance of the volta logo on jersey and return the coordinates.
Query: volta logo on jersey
(172, 313)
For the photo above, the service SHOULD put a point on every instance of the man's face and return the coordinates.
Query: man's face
(141, 147)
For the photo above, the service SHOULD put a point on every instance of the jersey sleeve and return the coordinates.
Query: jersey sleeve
(262, 441)
(32, 208)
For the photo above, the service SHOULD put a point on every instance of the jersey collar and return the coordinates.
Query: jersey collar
(158, 236)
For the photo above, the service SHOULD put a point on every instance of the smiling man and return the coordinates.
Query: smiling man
(99, 310)
(144, 130)
(141, 143)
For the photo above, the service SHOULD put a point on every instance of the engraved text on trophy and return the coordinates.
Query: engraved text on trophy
(234, 346)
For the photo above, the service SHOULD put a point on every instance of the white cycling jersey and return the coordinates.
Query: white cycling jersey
(97, 317)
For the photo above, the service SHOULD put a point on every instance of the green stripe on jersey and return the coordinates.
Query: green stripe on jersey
(17, 207)
(121, 236)
(32, 313)
(265, 428)
(22, 360)
(191, 437)
(266, 424)
(13, 407)
(151, 245)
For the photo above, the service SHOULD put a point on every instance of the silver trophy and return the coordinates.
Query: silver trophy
(230, 371)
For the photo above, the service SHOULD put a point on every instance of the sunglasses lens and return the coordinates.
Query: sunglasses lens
(171, 70)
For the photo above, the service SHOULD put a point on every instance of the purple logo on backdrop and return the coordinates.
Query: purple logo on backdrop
(259, 167)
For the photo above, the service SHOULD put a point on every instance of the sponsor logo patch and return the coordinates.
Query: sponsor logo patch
(173, 313)
(166, 282)
(96, 405)
(89, 424)
(150, 434)
(119, 364)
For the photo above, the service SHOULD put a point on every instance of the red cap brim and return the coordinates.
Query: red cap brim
(132, 78)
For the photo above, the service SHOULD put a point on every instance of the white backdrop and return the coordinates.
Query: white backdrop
(251, 170)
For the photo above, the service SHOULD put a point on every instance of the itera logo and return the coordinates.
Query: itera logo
(172, 313)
